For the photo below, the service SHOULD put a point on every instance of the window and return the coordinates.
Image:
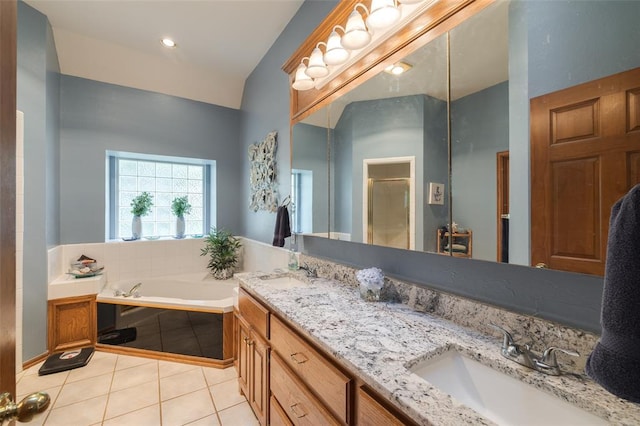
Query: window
(165, 178)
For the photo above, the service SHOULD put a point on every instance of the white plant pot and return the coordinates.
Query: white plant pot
(136, 228)
(180, 226)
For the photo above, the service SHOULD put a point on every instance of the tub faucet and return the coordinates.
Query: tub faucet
(131, 292)
(523, 355)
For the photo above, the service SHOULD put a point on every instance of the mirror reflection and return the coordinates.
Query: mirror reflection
(387, 140)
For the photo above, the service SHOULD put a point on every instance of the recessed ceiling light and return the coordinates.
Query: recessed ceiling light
(167, 42)
(398, 68)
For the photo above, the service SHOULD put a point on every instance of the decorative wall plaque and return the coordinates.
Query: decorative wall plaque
(264, 188)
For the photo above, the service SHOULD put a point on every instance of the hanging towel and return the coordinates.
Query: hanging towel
(283, 230)
(615, 360)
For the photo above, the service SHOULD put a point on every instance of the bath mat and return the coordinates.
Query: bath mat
(62, 361)
(118, 337)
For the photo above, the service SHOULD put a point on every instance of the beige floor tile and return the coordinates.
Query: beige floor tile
(238, 415)
(133, 376)
(96, 367)
(226, 394)
(170, 368)
(33, 369)
(211, 420)
(132, 399)
(149, 416)
(217, 375)
(34, 383)
(187, 408)
(126, 361)
(182, 383)
(83, 390)
(83, 413)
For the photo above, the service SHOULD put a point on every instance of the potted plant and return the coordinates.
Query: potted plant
(223, 249)
(140, 206)
(180, 206)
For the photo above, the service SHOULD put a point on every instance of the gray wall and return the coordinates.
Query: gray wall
(475, 140)
(96, 117)
(38, 97)
(265, 107)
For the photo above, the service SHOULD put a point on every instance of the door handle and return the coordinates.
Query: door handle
(25, 410)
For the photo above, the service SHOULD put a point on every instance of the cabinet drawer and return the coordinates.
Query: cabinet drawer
(373, 413)
(254, 313)
(328, 383)
(298, 404)
(277, 416)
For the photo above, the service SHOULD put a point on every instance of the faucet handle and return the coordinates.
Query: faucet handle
(549, 355)
(508, 340)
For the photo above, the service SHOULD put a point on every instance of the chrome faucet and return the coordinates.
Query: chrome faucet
(312, 273)
(131, 292)
(523, 355)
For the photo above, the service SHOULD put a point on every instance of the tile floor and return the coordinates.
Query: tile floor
(126, 390)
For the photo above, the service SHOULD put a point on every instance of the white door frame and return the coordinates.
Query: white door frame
(411, 160)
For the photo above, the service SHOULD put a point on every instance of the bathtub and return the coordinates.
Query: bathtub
(186, 317)
(198, 292)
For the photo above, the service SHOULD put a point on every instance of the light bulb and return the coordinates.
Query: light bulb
(356, 36)
(302, 80)
(317, 68)
(336, 54)
(383, 14)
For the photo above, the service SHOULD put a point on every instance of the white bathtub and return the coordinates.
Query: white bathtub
(192, 292)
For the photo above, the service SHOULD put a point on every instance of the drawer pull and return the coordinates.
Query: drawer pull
(295, 413)
(298, 358)
(246, 340)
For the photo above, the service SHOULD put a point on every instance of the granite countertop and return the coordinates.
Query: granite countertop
(378, 342)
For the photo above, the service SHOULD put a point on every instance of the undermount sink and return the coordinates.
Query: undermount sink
(284, 282)
(497, 396)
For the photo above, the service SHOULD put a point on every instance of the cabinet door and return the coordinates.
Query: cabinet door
(244, 354)
(258, 377)
(72, 323)
(373, 413)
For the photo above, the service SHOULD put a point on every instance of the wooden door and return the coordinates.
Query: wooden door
(8, 17)
(585, 155)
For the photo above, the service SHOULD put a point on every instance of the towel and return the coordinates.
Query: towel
(615, 360)
(283, 230)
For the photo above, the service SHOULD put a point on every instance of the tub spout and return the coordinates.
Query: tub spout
(132, 291)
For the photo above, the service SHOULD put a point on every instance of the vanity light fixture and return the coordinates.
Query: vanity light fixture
(302, 80)
(356, 35)
(398, 68)
(317, 68)
(167, 42)
(383, 14)
(336, 54)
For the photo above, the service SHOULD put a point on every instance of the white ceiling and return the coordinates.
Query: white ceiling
(118, 41)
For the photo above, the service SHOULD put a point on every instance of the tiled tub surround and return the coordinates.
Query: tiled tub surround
(378, 342)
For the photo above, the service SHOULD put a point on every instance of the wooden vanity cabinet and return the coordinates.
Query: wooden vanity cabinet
(253, 354)
(72, 323)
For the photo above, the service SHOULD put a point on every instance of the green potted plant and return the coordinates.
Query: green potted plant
(180, 206)
(223, 250)
(140, 206)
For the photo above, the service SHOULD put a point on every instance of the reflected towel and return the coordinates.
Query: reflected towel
(283, 230)
(615, 360)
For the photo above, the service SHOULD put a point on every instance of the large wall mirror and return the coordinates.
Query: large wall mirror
(381, 159)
